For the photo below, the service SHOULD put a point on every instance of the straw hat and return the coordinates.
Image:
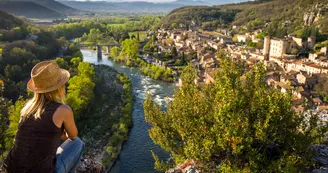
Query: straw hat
(47, 76)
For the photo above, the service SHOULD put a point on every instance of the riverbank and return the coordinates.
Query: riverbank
(136, 153)
(146, 68)
(108, 120)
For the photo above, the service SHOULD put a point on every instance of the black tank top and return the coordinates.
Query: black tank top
(35, 145)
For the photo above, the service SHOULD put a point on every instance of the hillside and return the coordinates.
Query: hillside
(199, 15)
(254, 15)
(8, 21)
(122, 7)
(53, 5)
(28, 9)
(140, 6)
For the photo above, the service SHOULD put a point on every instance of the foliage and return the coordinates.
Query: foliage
(62, 63)
(121, 129)
(4, 105)
(14, 118)
(157, 73)
(19, 57)
(130, 48)
(306, 32)
(321, 87)
(239, 124)
(117, 28)
(207, 17)
(251, 44)
(80, 89)
(8, 21)
(318, 46)
(160, 165)
(115, 52)
(260, 36)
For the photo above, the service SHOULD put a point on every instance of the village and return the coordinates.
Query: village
(293, 64)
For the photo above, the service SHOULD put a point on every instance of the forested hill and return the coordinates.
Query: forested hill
(28, 9)
(8, 21)
(254, 15)
(199, 15)
(53, 5)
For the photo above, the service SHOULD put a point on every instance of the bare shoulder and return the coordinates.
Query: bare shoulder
(62, 113)
(64, 109)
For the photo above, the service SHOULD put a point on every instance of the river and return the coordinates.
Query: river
(135, 156)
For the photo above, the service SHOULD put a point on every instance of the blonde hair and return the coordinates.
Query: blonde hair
(36, 105)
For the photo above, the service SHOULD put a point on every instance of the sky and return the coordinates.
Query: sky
(156, 1)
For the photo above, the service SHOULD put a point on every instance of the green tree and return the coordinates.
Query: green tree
(130, 48)
(62, 63)
(237, 124)
(80, 92)
(14, 118)
(75, 62)
(114, 52)
(4, 104)
(14, 73)
(174, 25)
(322, 88)
(138, 36)
(174, 51)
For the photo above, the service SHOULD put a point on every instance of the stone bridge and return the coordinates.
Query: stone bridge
(99, 47)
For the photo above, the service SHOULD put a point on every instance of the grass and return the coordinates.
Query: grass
(142, 34)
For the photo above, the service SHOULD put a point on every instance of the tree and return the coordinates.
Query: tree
(4, 105)
(115, 52)
(238, 124)
(75, 62)
(14, 118)
(138, 36)
(153, 38)
(174, 51)
(80, 90)
(14, 73)
(321, 87)
(130, 47)
(174, 25)
(62, 63)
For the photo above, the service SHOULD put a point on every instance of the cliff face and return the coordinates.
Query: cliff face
(315, 13)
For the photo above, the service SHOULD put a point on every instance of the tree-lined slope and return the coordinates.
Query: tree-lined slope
(254, 15)
(28, 9)
(53, 5)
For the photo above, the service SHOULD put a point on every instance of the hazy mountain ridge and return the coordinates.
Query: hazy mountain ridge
(140, 6)
(28, 9)
(53, 5)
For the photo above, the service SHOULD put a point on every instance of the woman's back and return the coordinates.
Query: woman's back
(36, 143)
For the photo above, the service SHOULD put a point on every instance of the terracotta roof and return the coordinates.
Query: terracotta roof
(283, 85)
(314, 66)
(317, 100)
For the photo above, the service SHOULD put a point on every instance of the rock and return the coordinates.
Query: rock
(321, 158)
(323, 170)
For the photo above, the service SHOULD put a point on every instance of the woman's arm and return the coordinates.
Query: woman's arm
(65, 114)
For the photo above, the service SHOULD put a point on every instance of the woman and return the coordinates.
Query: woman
(45, 120)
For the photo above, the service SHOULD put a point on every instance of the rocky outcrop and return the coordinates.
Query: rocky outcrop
(314, 14)
(321, 158)
(189, 166)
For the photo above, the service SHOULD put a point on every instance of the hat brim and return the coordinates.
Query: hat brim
(63, 80)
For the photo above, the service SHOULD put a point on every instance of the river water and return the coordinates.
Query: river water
(135, 156)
